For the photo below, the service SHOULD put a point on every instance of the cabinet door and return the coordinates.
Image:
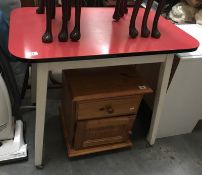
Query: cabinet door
(99, 132)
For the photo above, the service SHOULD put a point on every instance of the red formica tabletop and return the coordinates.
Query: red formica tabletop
(101, 37)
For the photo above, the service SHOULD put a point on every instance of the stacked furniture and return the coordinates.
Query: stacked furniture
(99, 107)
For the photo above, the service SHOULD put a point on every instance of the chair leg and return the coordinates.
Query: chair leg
(121, 9)
(63, 35)
(155, 31)
(69, 4)
(47, 36)
(41, 8)
(132, 29)
(53, 9)
(125, 7)
(75, 34)
(116, 15)
(145, 31)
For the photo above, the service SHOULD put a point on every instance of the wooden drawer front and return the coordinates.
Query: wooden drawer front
(98, 132)
(108, 107)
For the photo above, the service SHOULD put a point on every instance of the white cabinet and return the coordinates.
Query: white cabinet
(183, 104)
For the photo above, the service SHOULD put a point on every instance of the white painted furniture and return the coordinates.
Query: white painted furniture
(183, 102)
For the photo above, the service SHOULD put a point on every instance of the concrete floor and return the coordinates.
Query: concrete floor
(179, 155)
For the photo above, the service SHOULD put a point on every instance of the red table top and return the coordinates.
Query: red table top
(101, 37)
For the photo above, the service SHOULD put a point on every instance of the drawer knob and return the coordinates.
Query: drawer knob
(132, 108)
(109, 109)
(130, 133)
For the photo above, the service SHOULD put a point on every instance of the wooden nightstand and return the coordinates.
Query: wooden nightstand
(99, 107)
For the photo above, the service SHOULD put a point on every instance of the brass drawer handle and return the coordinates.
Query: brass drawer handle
(109, 109)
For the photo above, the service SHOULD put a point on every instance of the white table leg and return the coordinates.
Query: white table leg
(162, 85)
(33, 82)
(42, 80)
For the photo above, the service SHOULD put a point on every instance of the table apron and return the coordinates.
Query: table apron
(91, 63)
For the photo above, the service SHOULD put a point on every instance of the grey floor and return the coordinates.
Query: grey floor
(179, 155)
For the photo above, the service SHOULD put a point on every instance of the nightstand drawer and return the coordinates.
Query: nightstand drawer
(99, 132)
(108, 107)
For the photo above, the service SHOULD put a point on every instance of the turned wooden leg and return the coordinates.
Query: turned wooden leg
(132, 29)
(41, 8)
(125, 6)
(53, 9)
(155, 32)
(121, 8)
(75, 34)
(69, 9)
(63, 35)
(48, 37)
(145, 31)
(116, 15)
